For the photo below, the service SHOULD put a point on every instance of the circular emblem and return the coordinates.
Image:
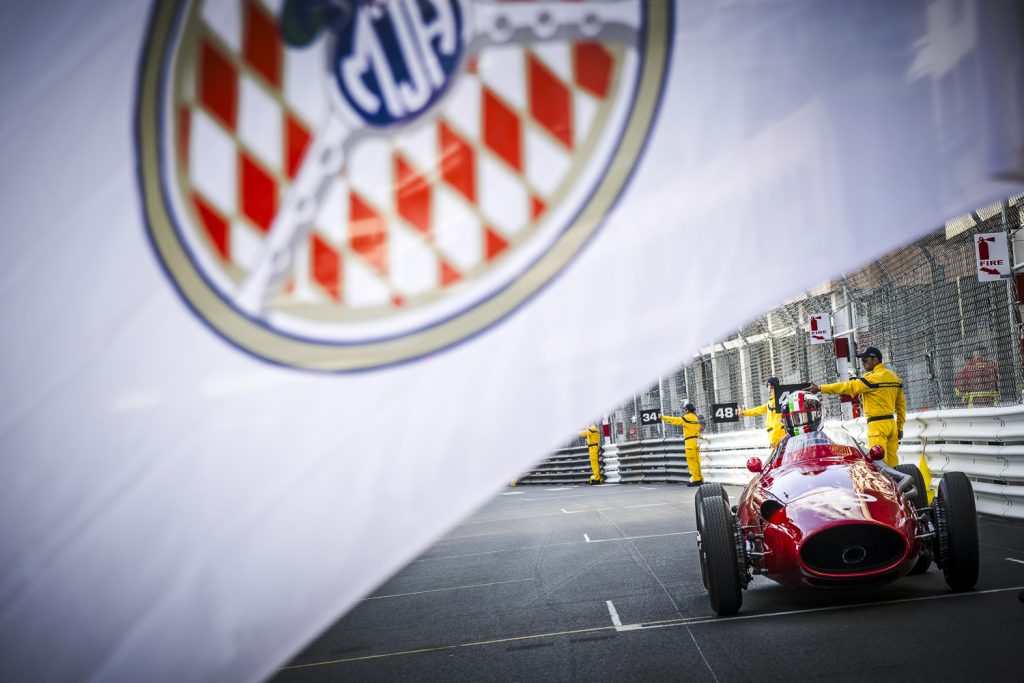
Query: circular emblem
(393, 61)
(349, 184)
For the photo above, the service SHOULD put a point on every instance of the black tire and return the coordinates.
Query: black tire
(718, 555)
(710, 490)
(954, 504)
(920, 501)
(707, 491)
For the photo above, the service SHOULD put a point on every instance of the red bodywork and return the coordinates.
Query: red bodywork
(823, 514)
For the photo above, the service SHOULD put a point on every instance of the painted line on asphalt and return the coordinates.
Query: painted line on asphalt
(633, 538)
(616, 488)
(501, 520)
(489, 533)
(830, 608)
(1010, 559)
(624, 507)
(440, 590)
(615, 615)
(548, 545)
(616, 621)
(441, 648)
(688, 621)
(701, 653)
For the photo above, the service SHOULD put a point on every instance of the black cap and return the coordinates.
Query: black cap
(870, 351)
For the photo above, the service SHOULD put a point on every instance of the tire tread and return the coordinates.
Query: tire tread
(961, 566)
(719, 550)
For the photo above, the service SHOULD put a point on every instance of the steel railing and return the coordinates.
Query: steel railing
(987, 444)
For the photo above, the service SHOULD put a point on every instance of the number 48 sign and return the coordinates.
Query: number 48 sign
(725, 412)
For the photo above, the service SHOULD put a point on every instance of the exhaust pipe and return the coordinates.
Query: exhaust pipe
(904, 482)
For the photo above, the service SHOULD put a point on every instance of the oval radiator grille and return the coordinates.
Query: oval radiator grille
(852, 548)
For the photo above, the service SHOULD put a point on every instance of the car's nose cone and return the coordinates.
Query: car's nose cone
(854, 548)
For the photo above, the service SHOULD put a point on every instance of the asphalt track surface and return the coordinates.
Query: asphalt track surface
(603, 583)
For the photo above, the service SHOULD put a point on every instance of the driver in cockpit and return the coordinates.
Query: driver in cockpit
(801, 417)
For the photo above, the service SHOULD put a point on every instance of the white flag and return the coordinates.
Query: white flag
(288, 288)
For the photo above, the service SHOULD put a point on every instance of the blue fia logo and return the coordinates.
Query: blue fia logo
(393, 60)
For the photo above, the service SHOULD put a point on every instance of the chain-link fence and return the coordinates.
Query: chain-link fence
(955, 341)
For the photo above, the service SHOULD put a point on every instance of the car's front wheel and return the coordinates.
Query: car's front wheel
(718, 550)
(706, 491)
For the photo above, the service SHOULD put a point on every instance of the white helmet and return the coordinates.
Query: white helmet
(801, 413)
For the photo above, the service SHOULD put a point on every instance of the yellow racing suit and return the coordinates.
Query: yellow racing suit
(593, 444)
(772, 423)
(882, 390)
(691, 431)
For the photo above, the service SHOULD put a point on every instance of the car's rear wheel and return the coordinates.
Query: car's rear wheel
(920, 502)
(706, 491)
(718, 556)
(956, 520)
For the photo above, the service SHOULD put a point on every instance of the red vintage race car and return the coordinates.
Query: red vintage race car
(823, 511)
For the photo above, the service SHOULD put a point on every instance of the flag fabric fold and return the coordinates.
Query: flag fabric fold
(277, 315)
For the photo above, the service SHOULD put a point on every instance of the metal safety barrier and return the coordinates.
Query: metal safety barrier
(653, 460)
(987, 444)
(569, 465)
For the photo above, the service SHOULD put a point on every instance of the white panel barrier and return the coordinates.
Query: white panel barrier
(724, 456)
(567, 466)
(987, 444)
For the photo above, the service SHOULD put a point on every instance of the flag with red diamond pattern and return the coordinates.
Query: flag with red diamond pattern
(290, 287)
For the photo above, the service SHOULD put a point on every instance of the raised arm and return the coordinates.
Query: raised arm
(854, 386)
(751, 412)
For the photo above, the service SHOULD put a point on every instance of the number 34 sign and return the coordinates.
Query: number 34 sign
(649, 417)
(725, 412)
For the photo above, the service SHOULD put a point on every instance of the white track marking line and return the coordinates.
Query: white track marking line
(625, 507)
(618, 622)
(520, 518)
(631, 538)
(489, 533)
(615, 489)
(501, 520)
(1010, 559)
(545, 545)
(439, 590)
(513, 493)
(642, 627)
(560, 488)
(831, 608)
(701, 653)
(615, 615)
(644, 564)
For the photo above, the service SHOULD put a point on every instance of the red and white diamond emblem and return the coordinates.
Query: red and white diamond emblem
(421, 224)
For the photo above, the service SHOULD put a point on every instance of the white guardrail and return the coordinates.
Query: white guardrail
(987, 444)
